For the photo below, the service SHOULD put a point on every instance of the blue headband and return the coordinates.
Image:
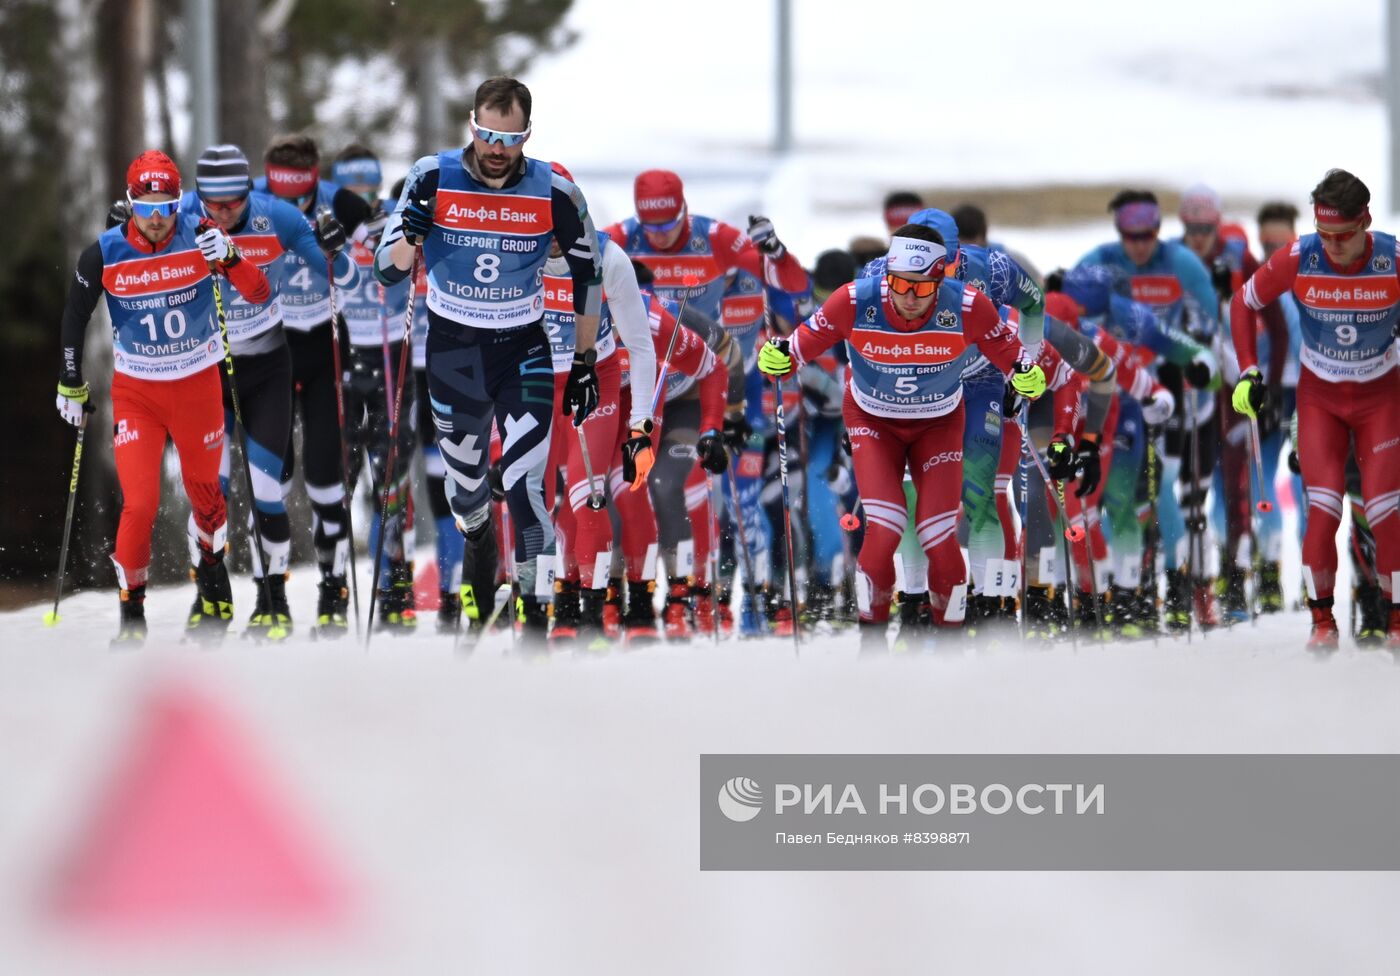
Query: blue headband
(353, 172)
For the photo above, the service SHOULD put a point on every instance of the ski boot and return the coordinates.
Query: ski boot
(1235, 604)
(1270, 588)
(533, 615)
(724, 614)
(1177, 605)
(590, 625)
(675, 613)
(779, 614)
(612, 610)
(1373, 612)
(983, 612)
(396, 604)
(449, 615)
(704, 597)
(479, 581)
(1088, 608)
(639, 622)
(131, 632)
(1040, 613)
(272, 617)
(332, 605)
(821, 604)
(1324, 638)
(1121, 611)
(566, 613)
(872, 636)
(752, 622)
(1207, 608)
(213, 610)
(1392, 637)
(915, 622)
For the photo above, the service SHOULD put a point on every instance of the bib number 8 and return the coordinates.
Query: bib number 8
(488, 268)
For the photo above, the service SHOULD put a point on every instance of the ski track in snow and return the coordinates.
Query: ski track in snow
(499, 813)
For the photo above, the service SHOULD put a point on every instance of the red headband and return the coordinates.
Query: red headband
(290, 181)
(1323, 213)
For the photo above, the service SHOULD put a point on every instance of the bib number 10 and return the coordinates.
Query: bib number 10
(174, 324)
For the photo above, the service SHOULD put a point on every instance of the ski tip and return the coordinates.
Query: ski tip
(51, 619)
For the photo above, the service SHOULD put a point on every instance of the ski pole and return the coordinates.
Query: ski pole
(1068, 532)
(787, 511)
(345, 484)
(690, 281)
(1147, 579)
(750, 581)
(51, 618)
(392, 455)
(1188, 439)
(595, 494)
(714, 551)
(275, 631)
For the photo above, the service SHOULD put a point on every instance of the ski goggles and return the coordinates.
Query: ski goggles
(1341, 236)
(665, 228)
(144, 210)
(1200, 230)
(223, 206)
(496, 137)
(903, 286)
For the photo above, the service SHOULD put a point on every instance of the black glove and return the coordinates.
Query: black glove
(1293, 464)
(710, 450)
(1087, 470)
(638, 444)
(118, 213)
(581, 388)
(1197, 374)
(497, 481)
(1059, 458)
(737, 431)
(417, 218)
(765, 238)
(1055, 281)
(330, 235)
(1011, 402)
(374, 226)
(1270, 417)
(1223, 278)
(846, 442)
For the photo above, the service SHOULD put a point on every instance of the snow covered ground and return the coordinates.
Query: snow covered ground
(495, 813)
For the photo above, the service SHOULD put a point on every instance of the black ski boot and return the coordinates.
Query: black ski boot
(214, 602)
(567, 615)
(983, 613)
(639, 622)
(332, 605)
(1373, 614)
(533, 615)
(1270, 587)
(1235, 606)
(590, 626)
(873, 636)
(821, 604)
(397, 607)
(479, 559)
(1041, 623)
(1177, 606)
(915, 631)
(449, 615)
(272, 617)
(131, 632)
(1121, 611)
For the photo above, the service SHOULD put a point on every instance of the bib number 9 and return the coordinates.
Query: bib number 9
(1346, 335)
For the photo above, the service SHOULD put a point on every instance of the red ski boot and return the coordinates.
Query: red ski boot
(1325, 637)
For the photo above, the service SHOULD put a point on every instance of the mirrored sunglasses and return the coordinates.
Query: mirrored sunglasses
(903, 286)
(146, 211)
(496, 137)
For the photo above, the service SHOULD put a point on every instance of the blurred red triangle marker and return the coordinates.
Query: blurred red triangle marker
(191, 835)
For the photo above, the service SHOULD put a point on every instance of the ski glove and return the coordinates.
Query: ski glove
(73, 402)
(774, 360)
(765, 238)
(1059, 458)
(1028, 379)
(1201, 372)
(216, 246)
(329, 233)
(737, 430)
(1087, 469)
(581, 388)
(710, 450)
(118, 213)
(1251, 396)
(637, 456)
(1158, 408)
(496, 480)
(417, 218)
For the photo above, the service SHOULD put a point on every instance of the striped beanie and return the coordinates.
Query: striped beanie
(222, 171)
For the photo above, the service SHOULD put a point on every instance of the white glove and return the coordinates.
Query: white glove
(1158, 408)
(215, 245)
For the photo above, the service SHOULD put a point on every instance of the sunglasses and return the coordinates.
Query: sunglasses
(496, 137)
(1200, 230)
(665, 228)
(223, 206)
(1340, 236)
(146, 211)
(1138, 235)
(903, 286)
